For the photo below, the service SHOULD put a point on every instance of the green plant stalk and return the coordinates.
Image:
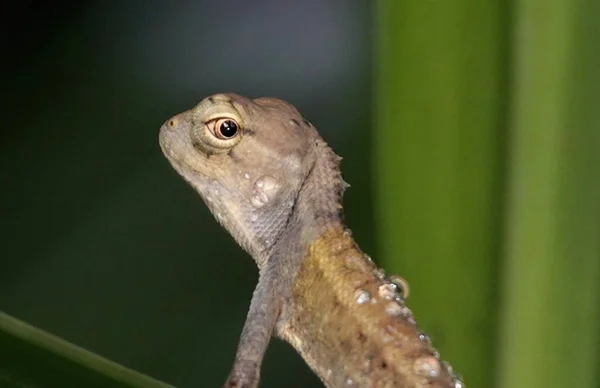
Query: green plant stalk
(439, 110)
(30, 357)
(551, 312)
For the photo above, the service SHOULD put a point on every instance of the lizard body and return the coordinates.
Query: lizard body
(275, 185)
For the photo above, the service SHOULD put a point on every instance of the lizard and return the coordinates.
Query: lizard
(275, 185)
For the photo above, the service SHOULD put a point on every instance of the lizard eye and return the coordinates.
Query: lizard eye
(224, 129)
(217, 134)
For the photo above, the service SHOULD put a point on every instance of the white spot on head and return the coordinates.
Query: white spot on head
(379, 273)
(267, 183)
(387, 291)
(265, 189)
(246, 175)
(362, 296)
(386, 338)
(427, 366)
(259, 199)
(393, 309)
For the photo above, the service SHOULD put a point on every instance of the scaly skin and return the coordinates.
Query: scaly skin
(350, 325)
(275, 185)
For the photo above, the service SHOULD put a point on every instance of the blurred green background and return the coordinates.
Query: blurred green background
(470, 132)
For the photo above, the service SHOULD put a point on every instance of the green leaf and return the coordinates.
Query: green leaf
(551, 311)
(439, 116)
(487, 146)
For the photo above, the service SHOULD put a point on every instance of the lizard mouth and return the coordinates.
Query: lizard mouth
(186, 170)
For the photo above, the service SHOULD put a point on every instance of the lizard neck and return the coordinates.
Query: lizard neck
(317, 207)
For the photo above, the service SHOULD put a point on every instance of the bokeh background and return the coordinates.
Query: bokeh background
(470, 132)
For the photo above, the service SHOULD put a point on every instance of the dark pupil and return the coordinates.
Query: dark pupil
(228, 128)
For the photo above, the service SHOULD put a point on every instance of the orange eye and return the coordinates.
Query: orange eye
(224, 128)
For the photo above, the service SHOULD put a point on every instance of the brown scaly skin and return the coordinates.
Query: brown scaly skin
(275, 185)
(350, 325)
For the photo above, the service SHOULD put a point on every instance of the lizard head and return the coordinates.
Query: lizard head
(248, 160)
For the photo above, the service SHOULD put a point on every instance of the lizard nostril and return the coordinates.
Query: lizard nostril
(171, 124)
